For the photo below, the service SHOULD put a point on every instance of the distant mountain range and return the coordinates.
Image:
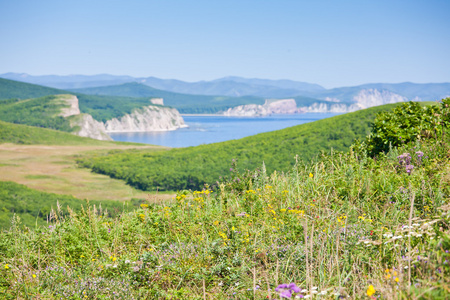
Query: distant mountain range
(238, 86)
(240, 91)
(228, 86)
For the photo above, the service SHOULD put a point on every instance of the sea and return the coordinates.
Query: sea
(207, 129)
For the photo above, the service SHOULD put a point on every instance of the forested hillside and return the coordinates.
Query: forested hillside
(40, 112)
(192, 167)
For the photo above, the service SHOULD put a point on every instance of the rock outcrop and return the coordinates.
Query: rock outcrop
(157, 101)
(283, 106)
(364, 99)
(330, 107)
(149, 118)
(85, 125)
(73, 108)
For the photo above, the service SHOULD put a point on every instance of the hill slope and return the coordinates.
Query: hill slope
(192, 167)
(40, 112)
(28, 135)
(15, 89)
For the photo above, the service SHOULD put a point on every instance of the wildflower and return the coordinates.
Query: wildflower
(144, 205)
(286, 290)
(311, 175)
(370, 291)
(6, 266)
(34, 275)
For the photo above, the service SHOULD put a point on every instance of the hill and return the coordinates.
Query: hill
(14, 89)
(105, 103)
(101, 108)
(40, 112)
(192, 167)
(28, 135)
(183, 102)
(33, 207)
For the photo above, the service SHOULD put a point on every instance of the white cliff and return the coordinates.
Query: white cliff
(85, 125)
(283, 106)
(72, 102)
(149, 118)
(373, 97)
(364, 99)
(328, 107)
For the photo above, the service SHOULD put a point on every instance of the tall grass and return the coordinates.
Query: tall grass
(344, 226)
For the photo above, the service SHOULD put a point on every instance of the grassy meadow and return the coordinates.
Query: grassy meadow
(43, 163)
(344, 225)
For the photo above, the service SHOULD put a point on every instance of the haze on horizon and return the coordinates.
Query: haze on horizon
(331, 43)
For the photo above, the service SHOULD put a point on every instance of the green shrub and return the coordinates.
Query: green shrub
(406, 123)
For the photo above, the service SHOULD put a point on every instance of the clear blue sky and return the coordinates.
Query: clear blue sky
(332, 43)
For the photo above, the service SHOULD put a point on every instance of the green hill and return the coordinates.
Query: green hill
(101, 108)
(193, 166)
(183, 102)
(39, 112)
(34, 206)
(23, 134)
(20, 90)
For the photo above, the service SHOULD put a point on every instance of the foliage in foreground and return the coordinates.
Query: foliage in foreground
(347, 225)
(192, 167)
(406, 123)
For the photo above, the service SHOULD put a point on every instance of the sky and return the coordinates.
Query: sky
(332, 43)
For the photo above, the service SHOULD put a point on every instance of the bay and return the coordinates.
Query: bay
(206, 129)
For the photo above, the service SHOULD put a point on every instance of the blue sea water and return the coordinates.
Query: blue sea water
(212, 129)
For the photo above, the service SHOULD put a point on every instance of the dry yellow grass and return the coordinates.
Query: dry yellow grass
(53, 169)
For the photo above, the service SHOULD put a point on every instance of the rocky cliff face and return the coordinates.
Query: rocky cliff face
(364, 99)
(150, 118)
(283, 106)
(73, 108)
(86, 126)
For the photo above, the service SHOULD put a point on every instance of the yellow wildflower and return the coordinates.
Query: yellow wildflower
(6, 266)
(370, 291)
(311, 175)
(34, 275)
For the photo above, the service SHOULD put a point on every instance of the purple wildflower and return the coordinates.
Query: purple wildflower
(409, 168)
(286, 290)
